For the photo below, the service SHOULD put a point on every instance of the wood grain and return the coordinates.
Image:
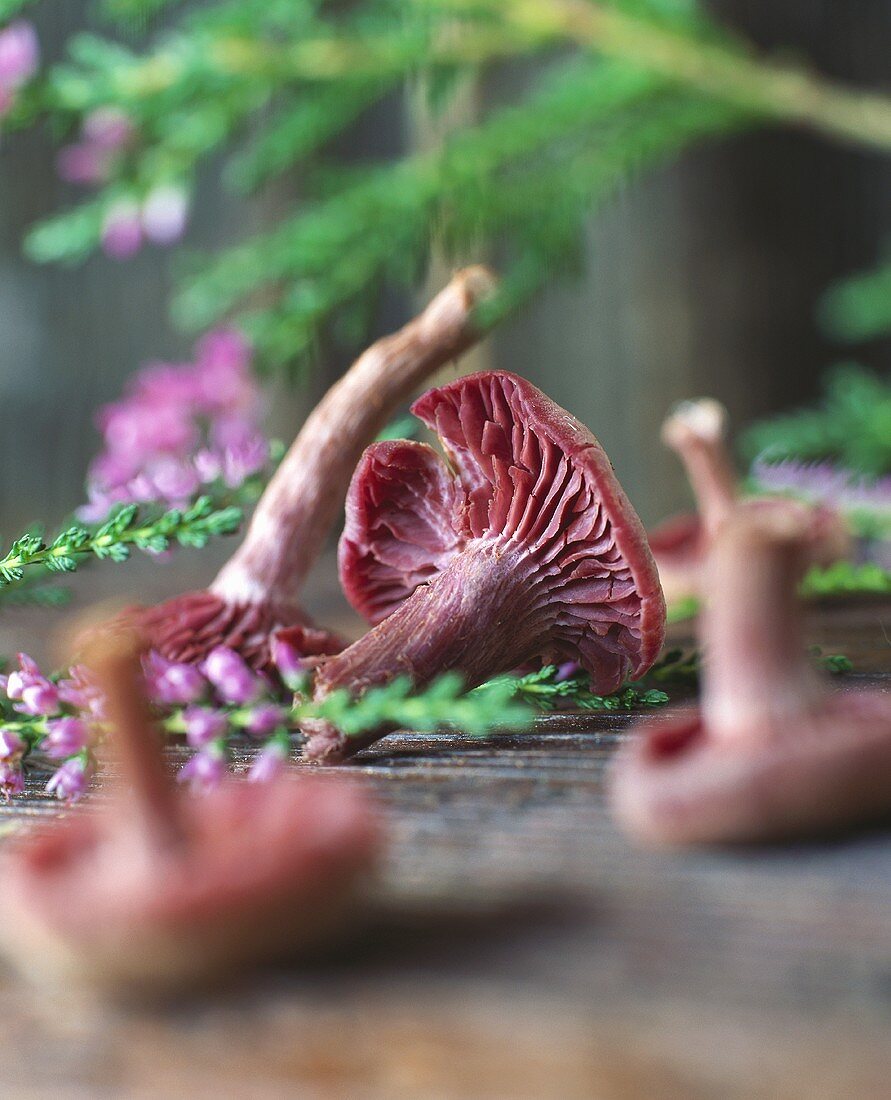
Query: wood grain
(517, 946)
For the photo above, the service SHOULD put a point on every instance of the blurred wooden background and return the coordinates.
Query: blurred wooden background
(702, 278)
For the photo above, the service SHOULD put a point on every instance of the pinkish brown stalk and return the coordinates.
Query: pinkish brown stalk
(772, 752)
(158, 889)
(697, 432)
(526, 548)
(258, 591)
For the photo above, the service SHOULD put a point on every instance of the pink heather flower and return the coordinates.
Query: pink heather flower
(122, 230)
(80, 691)
(223, 359)
(12, 781)
(204, 725)
(66, 737)
(12, 747)
(70, 781)
(164, 214)
(82, 164)
(205, 771)
(173, 481)
(265, 719)
(39, 699)
(107, 128)
(289, 662)
(269, 764)
(171, 683)
(25, 675)
(233, 680)
(19, 54)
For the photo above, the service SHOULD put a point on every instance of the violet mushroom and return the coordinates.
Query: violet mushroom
(772, 751)
(524, 548)
(257, 592)
(159, 889)
(697, 432)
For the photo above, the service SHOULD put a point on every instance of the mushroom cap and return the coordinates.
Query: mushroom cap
(825, 769)
(524, 476)
(264, 869)
(187, 627)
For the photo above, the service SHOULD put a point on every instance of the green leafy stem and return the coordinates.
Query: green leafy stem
(114, 539)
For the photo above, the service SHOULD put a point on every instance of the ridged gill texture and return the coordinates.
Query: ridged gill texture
(529, 481)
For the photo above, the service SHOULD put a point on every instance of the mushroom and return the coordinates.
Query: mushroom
(772, 751)
(257, 591)
(697, 432)
(526, 547)
(157, 890)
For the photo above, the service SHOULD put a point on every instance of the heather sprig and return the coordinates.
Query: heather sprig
(113, 540)
(550, 688)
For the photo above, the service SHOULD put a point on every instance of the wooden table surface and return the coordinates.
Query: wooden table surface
(522, 948)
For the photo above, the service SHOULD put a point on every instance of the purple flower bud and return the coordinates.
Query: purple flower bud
(70, 781)
(122, 231)
(233, 680)
(205, 771)
(204, 725)
(290, 664)
(19, 54)
(82, 164)
(66, 737)
(12, 780)
(12, 746)
(164, 214)
(567, 670)
(81, 692)
(171, 683)
(107, 128)
(39, 697)
(265, 719)
(269, 764)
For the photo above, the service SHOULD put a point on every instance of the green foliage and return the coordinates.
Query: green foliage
(547, 691)
(844, 578)
(627, 85)
(113, 539)
(443, 703)
(852, 426)
(859, 307)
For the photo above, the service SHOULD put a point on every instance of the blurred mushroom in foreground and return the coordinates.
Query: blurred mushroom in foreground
(257, 592)
(526, 547)
(772, 752)
(156, 890)
(697, 432)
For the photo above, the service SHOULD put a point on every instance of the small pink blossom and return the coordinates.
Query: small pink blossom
(205, 771)
(65, 737)
(204, 725)
(269, 764)
(40, 699)
(12, 747)
(265, 719)
(19, 54)
(70, 781)
(82, 164)
(289, 661)
(122, 230)
(12, 780)
(81, 692)
(108, 128)
(164, 214)
(170, 682)
(233, 680)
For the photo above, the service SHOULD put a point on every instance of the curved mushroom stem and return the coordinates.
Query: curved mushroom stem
(301, 501)
(696, 432)
(756, 670)
(152, 802)
(477, 617)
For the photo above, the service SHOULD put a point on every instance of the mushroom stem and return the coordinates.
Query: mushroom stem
(756, 671)
(301, 501)
(696, 432)
(476, 617)
(152, 801)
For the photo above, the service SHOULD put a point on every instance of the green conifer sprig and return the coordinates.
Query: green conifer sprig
(114, 539)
